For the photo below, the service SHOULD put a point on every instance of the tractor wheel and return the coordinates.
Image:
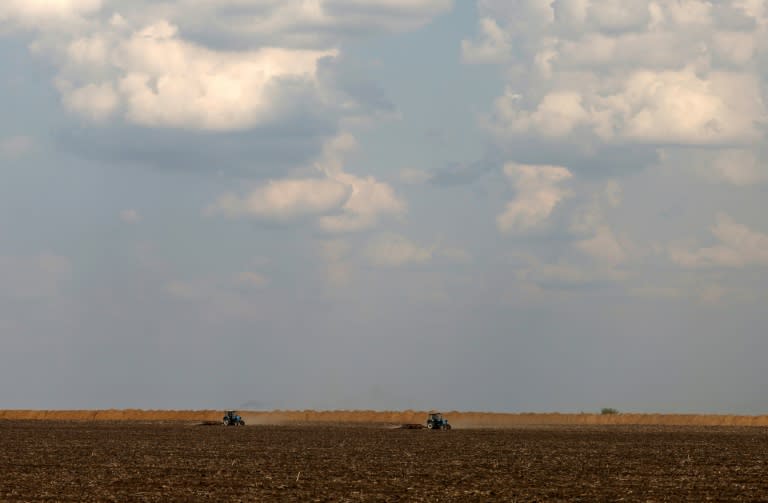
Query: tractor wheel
(242, 423)
(447, 426)
(226, 421)
(430, 426)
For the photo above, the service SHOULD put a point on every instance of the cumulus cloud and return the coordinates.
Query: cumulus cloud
(94, 101)
(494, 46)
(563, 274)
(236, 86)
(604, 88)
(151, 76)
(191, 83)
(603, 74)
(284, 199)
(603, 246)
(369, 201)
(390, 250)
(39, 13)
(737, 246)
(650, 107)
(341, 202)
(394, 250)
(200, 65)
(538, 192)
(594, 236)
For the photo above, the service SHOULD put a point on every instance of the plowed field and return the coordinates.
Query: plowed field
(125, 461)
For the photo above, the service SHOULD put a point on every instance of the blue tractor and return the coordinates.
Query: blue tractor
(436, 421)
(232, 418)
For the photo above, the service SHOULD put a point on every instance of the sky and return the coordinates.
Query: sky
(489, 205)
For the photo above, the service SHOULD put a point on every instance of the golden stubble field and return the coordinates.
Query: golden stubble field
(184, 461)
(458, 419)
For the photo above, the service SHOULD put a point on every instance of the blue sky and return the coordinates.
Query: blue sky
(491, 205)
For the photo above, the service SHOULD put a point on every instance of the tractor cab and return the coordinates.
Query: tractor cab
(232, 418)
(436, 421)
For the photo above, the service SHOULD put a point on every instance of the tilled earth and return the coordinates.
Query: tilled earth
(69, 461)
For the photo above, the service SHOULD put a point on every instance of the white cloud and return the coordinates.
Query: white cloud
(558, 114)
(604, 86)
(538, 192)
(608, 72)
(35, 277)
(603, 246)
(128, 58)
(285, 199)
(153, 77)
(596, 238)
(394, 250)
(340, 201)
(562, 274)
(681, 107)
(38, 13)
(649, 107)
(130, 216)
(370, 200)
(738, 246)
(96, 102)
(494, 47)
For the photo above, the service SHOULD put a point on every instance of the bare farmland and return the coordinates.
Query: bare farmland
(132, 461)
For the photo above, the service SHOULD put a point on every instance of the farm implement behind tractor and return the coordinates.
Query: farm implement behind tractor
(435, 421)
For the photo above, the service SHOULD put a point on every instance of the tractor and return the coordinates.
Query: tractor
(436, 421)
(232, 418)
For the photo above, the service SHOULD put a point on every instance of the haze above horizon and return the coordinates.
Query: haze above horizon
(413, 204)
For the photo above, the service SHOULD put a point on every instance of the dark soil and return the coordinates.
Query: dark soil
(69, 461)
